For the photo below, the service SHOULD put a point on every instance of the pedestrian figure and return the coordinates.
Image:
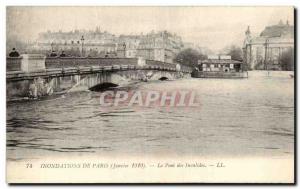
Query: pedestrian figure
(53, 54)
(62, 54)
(14, 53)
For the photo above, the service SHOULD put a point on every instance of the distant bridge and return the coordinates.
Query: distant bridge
(37, 75)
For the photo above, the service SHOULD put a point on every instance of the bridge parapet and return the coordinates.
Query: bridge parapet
(158, 64)
(33, 63)
(29, 64)
(68, 62)
(26, 63)
(13, 64)
(169, 66)
(186, 69)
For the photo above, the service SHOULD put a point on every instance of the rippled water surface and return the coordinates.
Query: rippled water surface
(236, 117)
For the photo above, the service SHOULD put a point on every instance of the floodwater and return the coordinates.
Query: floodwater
(235, 117)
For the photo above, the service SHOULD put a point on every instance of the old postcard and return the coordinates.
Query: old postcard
(150, 94)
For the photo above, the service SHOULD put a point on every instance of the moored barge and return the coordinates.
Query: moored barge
(220, 67)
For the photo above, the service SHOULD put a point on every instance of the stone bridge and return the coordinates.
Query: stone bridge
(35, 75)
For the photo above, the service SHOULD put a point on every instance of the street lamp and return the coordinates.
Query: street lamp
(82, 41)
(65, 48)
(52, 46)
(124, 47)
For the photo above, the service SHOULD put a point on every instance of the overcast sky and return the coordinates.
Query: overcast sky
(212, 27)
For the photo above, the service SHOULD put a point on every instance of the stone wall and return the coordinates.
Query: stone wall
(33, 62)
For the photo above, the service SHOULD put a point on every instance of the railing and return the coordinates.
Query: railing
(158, 64)
(87, 62)
(64, 63)
(168, 66)
(186, 69)
(68, 62)
(13, 64)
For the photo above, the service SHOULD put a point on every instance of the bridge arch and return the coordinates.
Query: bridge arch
(103, 86)
(163, 78)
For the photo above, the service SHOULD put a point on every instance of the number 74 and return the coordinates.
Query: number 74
(28, 165)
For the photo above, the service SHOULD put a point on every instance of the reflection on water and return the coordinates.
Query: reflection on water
(238, 117)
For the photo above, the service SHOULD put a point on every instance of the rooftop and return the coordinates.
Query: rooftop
(279, 30)
(220, 61)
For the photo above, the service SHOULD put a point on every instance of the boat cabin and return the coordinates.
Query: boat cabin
(220, 64)
(220, 67)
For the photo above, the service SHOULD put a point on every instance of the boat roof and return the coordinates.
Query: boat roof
(220, 61)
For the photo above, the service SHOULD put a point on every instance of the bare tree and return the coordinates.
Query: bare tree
(235, 52)
(189, 57)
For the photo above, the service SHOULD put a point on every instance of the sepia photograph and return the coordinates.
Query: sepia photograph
(150, 94)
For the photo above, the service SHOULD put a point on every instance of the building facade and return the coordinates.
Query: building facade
(77, 42)
(127, 45)
(268, 51)
(160, 46)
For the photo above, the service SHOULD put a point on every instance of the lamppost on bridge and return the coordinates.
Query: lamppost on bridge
(65, 46)
(52, 46)
(82, 42)
(124, 47)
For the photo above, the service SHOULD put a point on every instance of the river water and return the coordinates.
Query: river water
(235, 117)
